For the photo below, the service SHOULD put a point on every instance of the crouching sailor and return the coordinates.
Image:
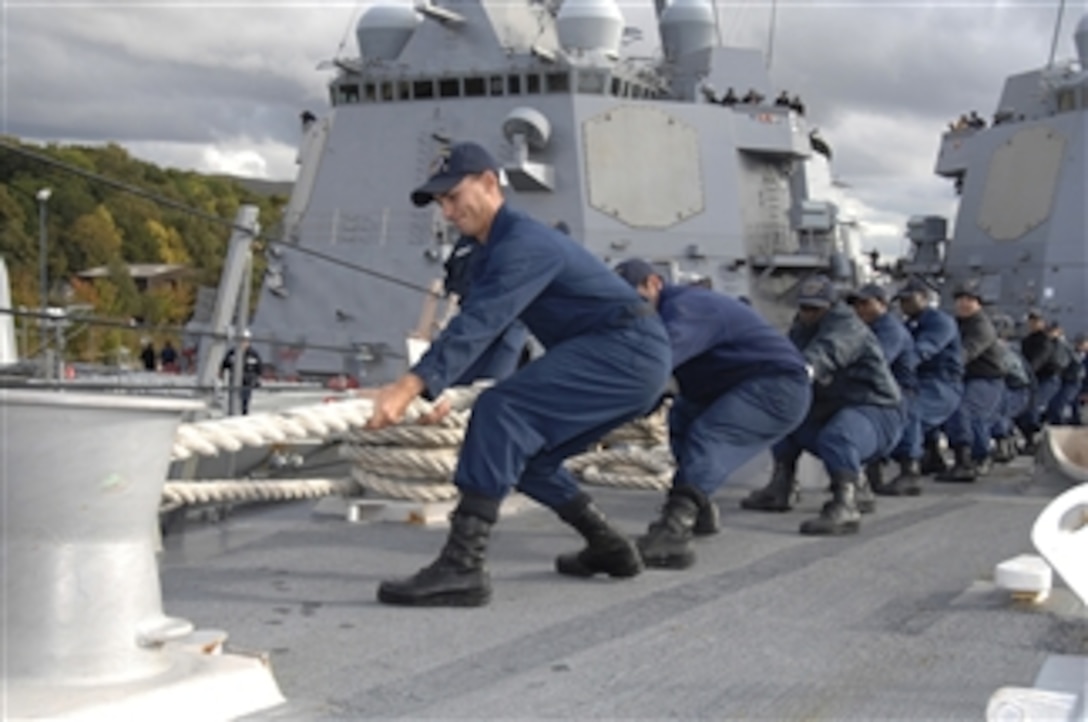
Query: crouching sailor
(607, 361)
(856, 412)
(742, 387)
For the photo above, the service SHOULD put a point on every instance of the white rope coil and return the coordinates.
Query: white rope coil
(181, 493)
(405, 461)
(408, 489)
(315, 422)
(631, 468)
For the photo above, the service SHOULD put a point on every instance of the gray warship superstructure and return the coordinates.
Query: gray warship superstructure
(1021, 226)
(636, 155)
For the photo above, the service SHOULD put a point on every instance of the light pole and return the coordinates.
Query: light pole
(43, 272)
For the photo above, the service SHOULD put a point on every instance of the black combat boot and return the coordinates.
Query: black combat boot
(933, 461)
(874, 476)
(964, 468)
(840, 515)
(780, 494)
(1004, 449)
(667, 544)
(458, 578)
(906, 483)
(607, 550)
(863, 494)
(708, 521)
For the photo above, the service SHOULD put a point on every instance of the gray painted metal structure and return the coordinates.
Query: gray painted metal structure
(1021, 226)
(628, 151)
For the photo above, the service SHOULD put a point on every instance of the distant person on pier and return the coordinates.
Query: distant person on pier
(169, 357)
(251, 371)
(607, 361)
(147, 355)
(742, 386)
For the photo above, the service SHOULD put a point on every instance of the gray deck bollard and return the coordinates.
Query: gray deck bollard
(81, 478)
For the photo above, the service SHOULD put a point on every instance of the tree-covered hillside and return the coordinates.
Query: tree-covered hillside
(91, 222)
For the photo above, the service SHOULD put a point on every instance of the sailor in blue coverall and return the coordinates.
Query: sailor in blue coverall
(856, 412)
(742, 386)
(969, 427)
(1017, 394)
(940, 378)
(870, 302)
(502, 357)
(607, 361)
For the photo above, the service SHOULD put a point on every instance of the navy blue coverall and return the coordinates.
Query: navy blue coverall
(501, 358)
(1017, 396)
(607, 359)
(742, 385)
(983, 386)
(940, 379)
(856, 413)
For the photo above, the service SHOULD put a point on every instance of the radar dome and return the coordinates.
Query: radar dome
(1080, 38)
(590, 25)
(687, 26)
(384, 30)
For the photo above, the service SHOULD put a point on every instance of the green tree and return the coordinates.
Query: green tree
(99, 239)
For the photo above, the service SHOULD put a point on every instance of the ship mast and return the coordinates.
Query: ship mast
(770, 33)
(1057, 29)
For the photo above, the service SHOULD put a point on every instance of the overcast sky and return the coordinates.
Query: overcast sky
(218, 85)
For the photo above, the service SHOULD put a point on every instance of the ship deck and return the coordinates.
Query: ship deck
(902, 621)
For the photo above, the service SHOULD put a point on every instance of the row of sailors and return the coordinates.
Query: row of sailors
(958, 378)
(851, 383)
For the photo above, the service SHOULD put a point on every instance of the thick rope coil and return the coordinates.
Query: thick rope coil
(410, 460)
(419, 436)
(407, 489)
(414, 463)
(649, 431)
(315, 422)
(181, 493)
(630, 468)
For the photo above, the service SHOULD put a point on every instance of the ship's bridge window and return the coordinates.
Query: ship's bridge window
(591, 82)
(497, 86)
(474, 87)
(513, 84)
(404, 90)
(616, 86)
(1067, 101)
(349, 93)
(532, 84)
(423, 89)
(370, 93)
(557, 83)
(387, 91)
(449, 88)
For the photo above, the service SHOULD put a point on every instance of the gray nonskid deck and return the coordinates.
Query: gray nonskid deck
(900, 622)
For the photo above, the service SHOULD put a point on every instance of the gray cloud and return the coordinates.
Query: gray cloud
(209, 83)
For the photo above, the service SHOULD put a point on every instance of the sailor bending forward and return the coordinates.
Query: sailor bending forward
(856, 413)
(607, 361)
(742, 387)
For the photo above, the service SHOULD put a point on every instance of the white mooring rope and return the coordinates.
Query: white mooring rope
(410, 460)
